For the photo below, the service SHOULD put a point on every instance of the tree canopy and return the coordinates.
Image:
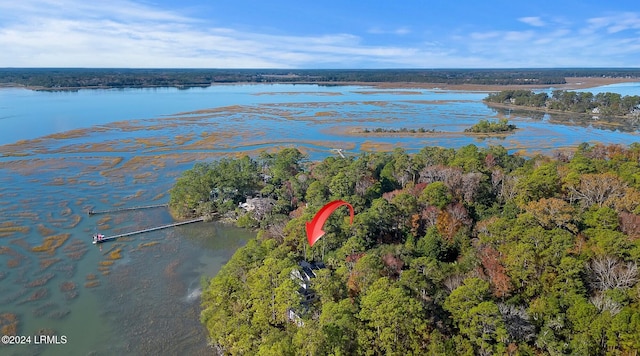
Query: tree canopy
(468, 251)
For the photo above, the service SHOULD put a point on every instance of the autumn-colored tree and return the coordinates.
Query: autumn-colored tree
(500, 281)
(552, 213)
(447, 225)
(451, 220)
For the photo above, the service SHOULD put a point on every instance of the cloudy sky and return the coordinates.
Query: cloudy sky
(319, 34)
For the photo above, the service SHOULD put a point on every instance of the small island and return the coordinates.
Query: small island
(486, 126)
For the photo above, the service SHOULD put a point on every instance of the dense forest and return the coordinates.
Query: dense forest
(74, 78)
(451, 252)
(605, 104)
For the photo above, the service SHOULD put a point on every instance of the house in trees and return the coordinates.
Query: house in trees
(303, 275)
(259, 207)
(295, 315)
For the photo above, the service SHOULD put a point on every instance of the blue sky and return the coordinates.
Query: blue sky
(319, 34)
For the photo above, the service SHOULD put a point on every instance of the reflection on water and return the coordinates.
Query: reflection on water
(166, 276)
(139, 295)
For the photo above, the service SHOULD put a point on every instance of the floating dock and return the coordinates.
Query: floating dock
(117, 210)
(109, 238)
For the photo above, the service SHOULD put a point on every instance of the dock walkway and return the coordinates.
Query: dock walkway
(117, 210)
(109, 238)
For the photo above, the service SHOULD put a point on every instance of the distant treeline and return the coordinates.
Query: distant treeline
(606, 104)
(51, 78)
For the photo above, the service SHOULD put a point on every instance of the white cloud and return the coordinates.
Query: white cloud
(123, 33)
(400, 31)
(485, 35)
(533, 21)
(518, 36)
(132, 35)
(614, 23)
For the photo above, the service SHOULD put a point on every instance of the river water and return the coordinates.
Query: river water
(64, 153)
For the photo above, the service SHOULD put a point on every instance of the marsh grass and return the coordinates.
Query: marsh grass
(9, 228)
(45, 231)
(147, 244)
(115, 254)
(159, 196)
(376, 146)
(104, 220)
(75, 250)
(51, 243)
(40, 281)
(92, 284)
(9, 323)
(45, 263)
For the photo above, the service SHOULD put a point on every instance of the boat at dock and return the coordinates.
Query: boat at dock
(97, 238)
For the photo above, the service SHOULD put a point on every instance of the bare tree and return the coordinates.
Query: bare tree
(517, 322)
(604, 303)
(459, 213)
(430, 174)
(597, 189)
(430, 215)
(610, 273)
(470, 185)
(450, 176)
(454, 281)
(497, 176)
(509, 188)
(363, 184)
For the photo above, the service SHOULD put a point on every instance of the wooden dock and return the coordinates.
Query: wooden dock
(117, 210)
(109, 238)
(338, 151)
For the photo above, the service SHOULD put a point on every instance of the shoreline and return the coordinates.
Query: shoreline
(571, 84)
(551, 111)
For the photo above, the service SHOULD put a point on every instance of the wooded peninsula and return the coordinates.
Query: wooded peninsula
(605, 104)
(451, 252)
